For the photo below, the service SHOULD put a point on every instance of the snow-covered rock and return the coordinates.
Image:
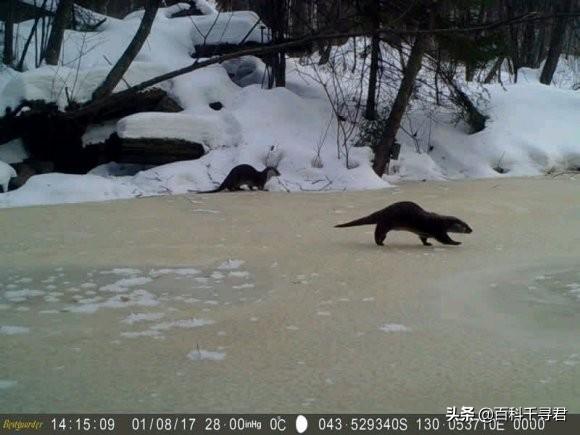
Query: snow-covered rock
(6, 173)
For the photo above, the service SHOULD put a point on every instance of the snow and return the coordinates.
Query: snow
(6, 173)
(65, 188)
(210, 131)
(99, 133)
(205, 7)
(12, 152)
(230, 28)
(532, 128)
(52, 83)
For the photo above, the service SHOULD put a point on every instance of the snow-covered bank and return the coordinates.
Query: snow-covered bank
(532, 128)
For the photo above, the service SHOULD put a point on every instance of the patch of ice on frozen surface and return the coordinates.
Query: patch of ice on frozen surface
(239, 274)
(138, 297)
(217, 275)
(243, 286)
(394, 327)
(146, 333)
(5, 384)
(201, 354)
(13, 330)
(88, 285)
(230, 264)
(185, 323)
(123, 284)
(142, 317)
(21, 295)
(122, 271)
(179, 271)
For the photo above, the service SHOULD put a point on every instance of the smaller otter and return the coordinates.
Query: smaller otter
(408, 216)
(246, 175)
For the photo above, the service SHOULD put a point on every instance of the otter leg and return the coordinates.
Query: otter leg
(380, 233)
(446, 240)
(424, 241)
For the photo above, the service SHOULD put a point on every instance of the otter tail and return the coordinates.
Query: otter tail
(219, 189)
(367, 220)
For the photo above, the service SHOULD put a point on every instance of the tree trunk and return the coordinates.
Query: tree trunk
(469, 71)
(371, 109)
(494, 70)
(474, 117)
(556, 42)
(539, 53)
(383, 149)
(528, 45)
(61, 20)
(124, 62)
(278, 20)
(9, 34)
(513, 39)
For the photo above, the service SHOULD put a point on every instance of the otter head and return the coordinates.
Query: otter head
(458, 226)
(271, 172)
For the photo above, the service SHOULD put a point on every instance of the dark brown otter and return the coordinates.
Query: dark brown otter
(408, 216)
(246, 175)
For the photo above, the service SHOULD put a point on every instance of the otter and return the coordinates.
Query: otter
(408, 216)
(246, 175)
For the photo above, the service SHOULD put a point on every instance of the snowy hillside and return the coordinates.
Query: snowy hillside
(532, 128)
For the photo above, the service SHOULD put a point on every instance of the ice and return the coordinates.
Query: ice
(201, 354)
(135, 298)
(394, 327)
(122, 285)
(231, 264)
(13, 330)
(186, 323)
(181, 271)
(142, 317)
(5, 384)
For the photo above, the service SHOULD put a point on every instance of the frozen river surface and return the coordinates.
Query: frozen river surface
(253, 302)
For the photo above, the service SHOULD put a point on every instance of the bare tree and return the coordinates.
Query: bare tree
(9, 34)
(383, 149)
(124, 62)
(61, 20)
(371, 109)
(556, 42)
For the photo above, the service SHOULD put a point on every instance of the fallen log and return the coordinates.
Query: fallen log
(49, 134)
(155, 151)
